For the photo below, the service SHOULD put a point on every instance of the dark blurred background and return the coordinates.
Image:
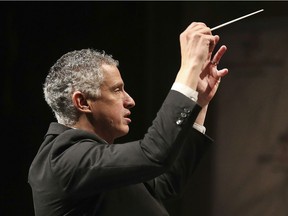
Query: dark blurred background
(144, 37)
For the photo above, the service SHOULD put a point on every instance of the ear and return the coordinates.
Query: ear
(80, 102)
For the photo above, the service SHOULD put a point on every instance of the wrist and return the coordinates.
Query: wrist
(201, 116)
(189, 77)
(187, 91)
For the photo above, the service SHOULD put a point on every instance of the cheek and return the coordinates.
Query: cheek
(111, 113)
(117, 115)
(114, 114)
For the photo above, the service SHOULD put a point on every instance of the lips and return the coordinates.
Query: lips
(126, 116)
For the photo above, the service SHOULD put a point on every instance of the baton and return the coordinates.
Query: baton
(235, 20)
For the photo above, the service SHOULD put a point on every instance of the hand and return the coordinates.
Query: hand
(197, 44)
(210, 78)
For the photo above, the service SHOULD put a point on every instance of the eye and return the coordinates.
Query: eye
(117, 90)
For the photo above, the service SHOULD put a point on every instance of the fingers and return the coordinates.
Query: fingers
(198, 32)
(203, 29)
(217, 74)
(214, 72)
(217, 57)
(199, 26)
(195, 41)
(214, 81)
(222, 73)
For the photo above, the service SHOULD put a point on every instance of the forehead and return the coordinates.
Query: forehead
(111, 74)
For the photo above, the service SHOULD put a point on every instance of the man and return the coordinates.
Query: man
(79, 170)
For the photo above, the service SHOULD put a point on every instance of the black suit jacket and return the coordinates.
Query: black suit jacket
(77, 173)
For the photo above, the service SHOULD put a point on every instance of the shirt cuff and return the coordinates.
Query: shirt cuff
(200, 128)
(187, 91)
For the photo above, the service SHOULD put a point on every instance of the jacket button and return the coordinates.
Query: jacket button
(179, 121)
(183, 115)
(186, 110)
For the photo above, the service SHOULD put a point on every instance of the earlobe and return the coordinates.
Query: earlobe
(80, 102)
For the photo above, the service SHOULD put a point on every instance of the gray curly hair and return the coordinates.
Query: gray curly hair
(78, 70)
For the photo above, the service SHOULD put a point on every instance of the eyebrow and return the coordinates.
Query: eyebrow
(118, 84)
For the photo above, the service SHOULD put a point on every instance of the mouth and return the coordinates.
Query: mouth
(127, 118)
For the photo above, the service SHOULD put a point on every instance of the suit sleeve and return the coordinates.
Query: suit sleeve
(172, 183)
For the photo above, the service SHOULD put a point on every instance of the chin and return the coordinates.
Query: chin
(123, 131)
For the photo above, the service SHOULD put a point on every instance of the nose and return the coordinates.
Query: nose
(129, 102)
